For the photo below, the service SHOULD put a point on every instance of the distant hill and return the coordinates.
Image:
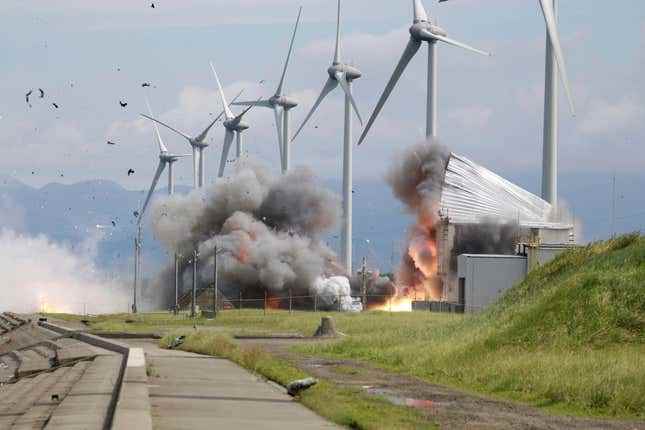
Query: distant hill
(72, 213)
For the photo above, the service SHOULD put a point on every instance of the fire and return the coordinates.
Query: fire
(395, 304)
(417, 276)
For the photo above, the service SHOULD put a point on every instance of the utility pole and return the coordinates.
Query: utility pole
(194, 292)
(176, 283)
(216, 252)
(364, 283)
(613, 206)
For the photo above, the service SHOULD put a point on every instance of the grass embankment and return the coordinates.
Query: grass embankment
(348, 407)
(570, 338)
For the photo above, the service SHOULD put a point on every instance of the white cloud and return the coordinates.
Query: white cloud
(471, 117)
(604, 117)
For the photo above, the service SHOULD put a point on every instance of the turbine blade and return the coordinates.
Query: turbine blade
(227, 110)
(286, 63)
(162, 147)
(261, 103)
(181, 133)
(203, 135)
(337, 51)
(453, 42)
(240, 116)
(554, 36)
(228, 139)
(160, 169)
(410, 51)
(342, 80)
(420, 13)
(278, 125)
(328, 88)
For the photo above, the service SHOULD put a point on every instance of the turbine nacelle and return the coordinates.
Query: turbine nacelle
(285, 102)
(425, 31)
(350, 72)
(236, 124)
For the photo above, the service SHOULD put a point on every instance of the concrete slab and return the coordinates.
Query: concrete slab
(190, 391)
(133, 409)
(86, 406)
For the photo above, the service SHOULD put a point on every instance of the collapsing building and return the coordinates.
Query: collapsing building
(462, 208)
(482, 213)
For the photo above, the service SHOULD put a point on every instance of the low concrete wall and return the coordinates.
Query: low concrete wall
(130, 370)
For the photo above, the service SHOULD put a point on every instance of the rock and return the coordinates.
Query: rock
(327, 328)
(294, 388)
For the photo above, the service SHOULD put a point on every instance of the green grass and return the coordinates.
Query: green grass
(348, 407)
(570, 338)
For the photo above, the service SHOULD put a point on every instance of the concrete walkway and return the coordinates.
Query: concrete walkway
(191, 391)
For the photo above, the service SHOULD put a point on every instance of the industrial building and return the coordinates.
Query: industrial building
(491, 233)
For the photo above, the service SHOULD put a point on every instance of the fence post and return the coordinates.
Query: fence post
(340, 309)
(290, 300)
(316, 302)
(240, 307)
(265, 302)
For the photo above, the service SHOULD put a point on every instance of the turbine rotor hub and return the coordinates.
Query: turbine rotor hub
(420, 30)
(351, 71)
(284, 101)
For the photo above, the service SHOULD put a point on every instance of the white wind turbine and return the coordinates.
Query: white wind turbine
(555, 62)
(165, 159)
(342, 74)
(422, 30)
(277, 102)
(233, 125)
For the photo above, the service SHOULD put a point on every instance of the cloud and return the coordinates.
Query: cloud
(471, 117)
(604, 117)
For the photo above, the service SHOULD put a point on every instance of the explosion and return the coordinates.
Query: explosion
(416, 179)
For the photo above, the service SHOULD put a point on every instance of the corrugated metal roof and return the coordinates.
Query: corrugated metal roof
(472, 194)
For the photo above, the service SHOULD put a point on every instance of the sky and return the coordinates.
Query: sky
(89, 55)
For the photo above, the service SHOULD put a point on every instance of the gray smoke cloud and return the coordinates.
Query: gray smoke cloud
(268, 229)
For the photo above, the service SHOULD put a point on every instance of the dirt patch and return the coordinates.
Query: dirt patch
(450, 408)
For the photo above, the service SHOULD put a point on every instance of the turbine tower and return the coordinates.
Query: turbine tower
(165, 159)
(233, 125)
(422, 30)
(342, 74)
(277, 102)
(555, 64)
(197, 143)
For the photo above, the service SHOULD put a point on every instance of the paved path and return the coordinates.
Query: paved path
(191, 391)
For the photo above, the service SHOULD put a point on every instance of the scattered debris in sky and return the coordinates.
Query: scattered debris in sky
(146, 84)
(42, 93)
(27, 96)
(123, 104)
(109, 142)
(55, 105)
(130, 172)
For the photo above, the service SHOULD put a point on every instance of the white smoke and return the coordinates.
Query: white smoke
(334, 290)
(37, 274)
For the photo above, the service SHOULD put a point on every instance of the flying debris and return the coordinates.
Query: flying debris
(28, 95)
(152, 5)
(55, 105)
(130, 172)
(146, 84)
(109, 142)
(136, 214)
(122, 103)
(113, 223)
(42, 93)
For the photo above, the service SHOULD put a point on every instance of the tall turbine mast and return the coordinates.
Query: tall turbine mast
(342, 74)
(281, 106)
(422, 30)
(233, 125)
(555, 65)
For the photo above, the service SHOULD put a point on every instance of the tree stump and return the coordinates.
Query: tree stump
(327, 328)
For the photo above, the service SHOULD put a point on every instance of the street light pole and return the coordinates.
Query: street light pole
(194, 292)
(215, 282)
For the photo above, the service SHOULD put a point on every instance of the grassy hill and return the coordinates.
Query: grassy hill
(570, 338)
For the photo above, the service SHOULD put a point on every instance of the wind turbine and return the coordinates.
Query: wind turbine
(233, 125)
(342, 74)
(165, 159)
(277, 101)
(555, 62)
(422, 30)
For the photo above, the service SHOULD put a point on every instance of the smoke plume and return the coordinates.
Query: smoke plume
(37, 274)
(266, 228)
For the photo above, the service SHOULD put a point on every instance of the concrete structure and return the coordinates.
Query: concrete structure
(482, 279)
